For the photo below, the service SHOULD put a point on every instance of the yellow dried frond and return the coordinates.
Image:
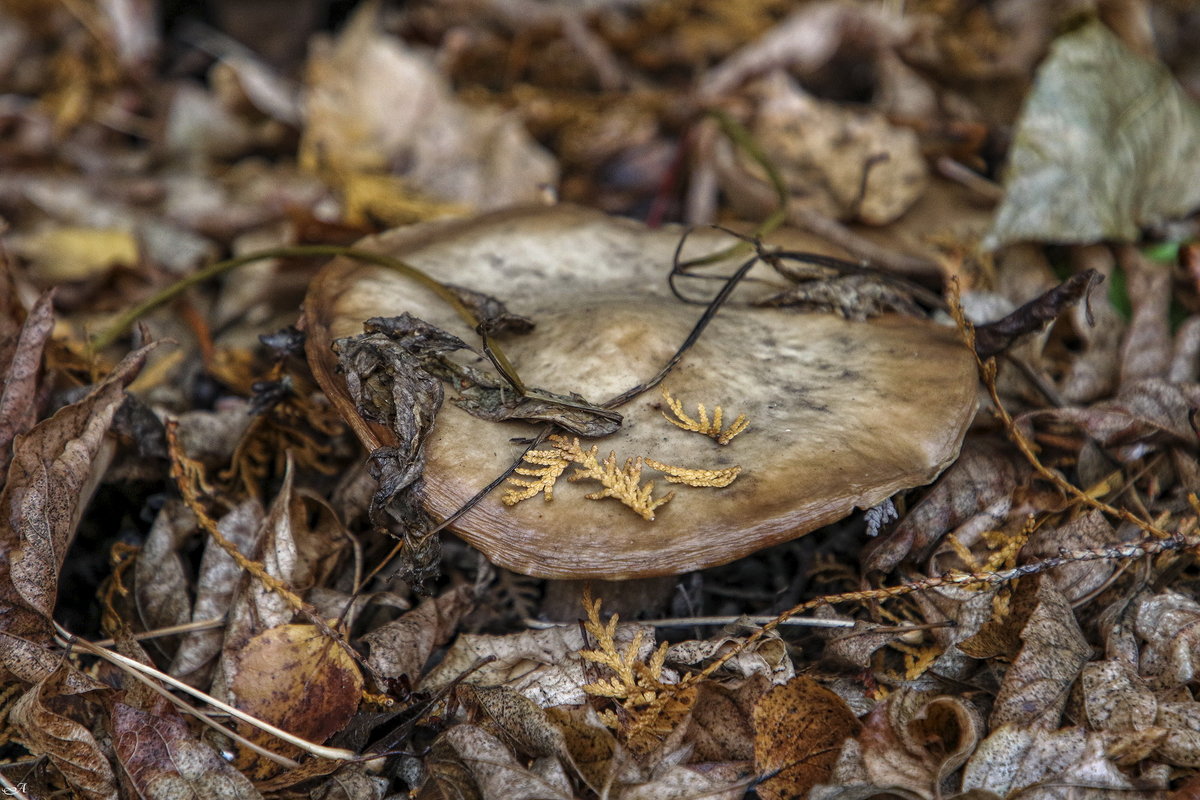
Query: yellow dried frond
(703, 425)
(552, 463)
(624, 484)
(648, 709)
(713, 478)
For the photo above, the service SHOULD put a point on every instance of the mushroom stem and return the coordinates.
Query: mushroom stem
(633, 599)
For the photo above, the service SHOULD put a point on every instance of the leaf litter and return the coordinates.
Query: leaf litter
(1024, 628)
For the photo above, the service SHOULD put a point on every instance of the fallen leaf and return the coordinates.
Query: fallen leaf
(217, 581)
(844, 163)
(984, 473)
(160, 578)
(69, 745)
(1107, 144)
(513, 718)
(21, 364)
(799, 728)
(1169, 624)
(468, 762)
(1034, 690)
(592, 747)
(164, 760)
(373, 102)
(297, 679)
(404, 645)
(49, 483)
(916, 741)
(62, 254)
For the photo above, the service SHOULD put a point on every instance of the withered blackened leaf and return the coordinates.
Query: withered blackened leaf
(496, 405)
(491, 313)
(483, 395)
(856, 297)
(996, 337)
(284, 342)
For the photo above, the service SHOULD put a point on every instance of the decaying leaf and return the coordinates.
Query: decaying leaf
(995, 337)
(402, 646)
(295, 678)
(1034, 691)
(70, 746)
(373, 102)
(163, 758)
(20, 363)
(916, 741)
(49, 482)
(799, 728)
(1107, 144)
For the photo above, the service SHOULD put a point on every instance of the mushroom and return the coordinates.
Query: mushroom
(841, 414)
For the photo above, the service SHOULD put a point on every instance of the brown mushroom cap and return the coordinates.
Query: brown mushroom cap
(842, 414)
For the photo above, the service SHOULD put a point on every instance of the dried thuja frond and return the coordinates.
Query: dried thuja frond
(715, 478)
(703, 425)
(552, 463)
(648, 708)
(624, 484)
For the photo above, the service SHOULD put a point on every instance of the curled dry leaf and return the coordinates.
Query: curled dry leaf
(1169, 624)
(218, 579)
(606, 322)
(514, 719)
(843, 163)
(1034, 691)
(543, 665)
(164, 759)
(20, 361)
(373, 102)
(1075, 581)
(297, 679)
(1013, 758)
(468, 762)
(160, 578)
(1144, 413)
(403, 646)
(799, 728)
(68, 744)
(1094, 96)
(1146, 351)
(49, 482)
(984, 473)
(916, 741)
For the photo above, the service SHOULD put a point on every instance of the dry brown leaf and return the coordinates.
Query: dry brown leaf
(513, 718)
(592, 748)
(160, 577)
(799, 728)
(916, 741)
(721, 726)
(297, 679)
(218, 579)
(1013, 758)
(1144, 413)
(984, 473)
(1169, 624)
(725, 781)
(403, 646)
(767, 657)
(1034, 691)
(373, 102)
(468, 762)
(21, 361)
(278, 548)
(49, 482)
(1146, 351)
(163, 759)
(1115, 698)
(1179, 725)
(69, 745)
(542, 665)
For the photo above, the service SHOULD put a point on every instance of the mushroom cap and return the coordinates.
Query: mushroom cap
(842, 414)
